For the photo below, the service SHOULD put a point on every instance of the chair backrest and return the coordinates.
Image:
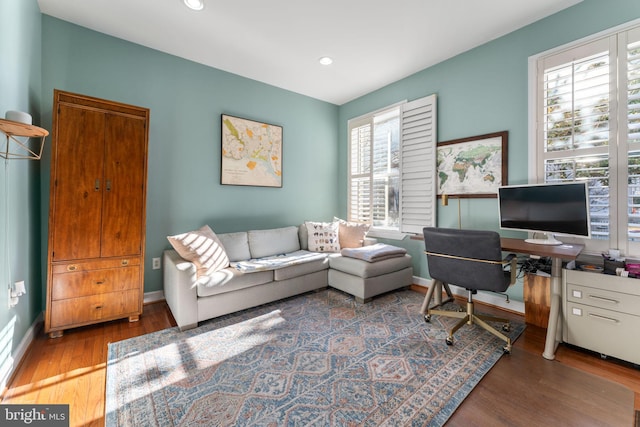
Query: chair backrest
(471, 259)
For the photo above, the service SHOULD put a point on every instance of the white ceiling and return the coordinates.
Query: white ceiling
(373, 42)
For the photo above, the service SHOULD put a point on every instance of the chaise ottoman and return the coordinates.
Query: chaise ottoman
(363, 275)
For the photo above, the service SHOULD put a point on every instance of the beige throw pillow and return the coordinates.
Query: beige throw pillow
(352, 234)
(203, 248)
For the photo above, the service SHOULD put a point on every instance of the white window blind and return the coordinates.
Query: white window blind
(418, 165)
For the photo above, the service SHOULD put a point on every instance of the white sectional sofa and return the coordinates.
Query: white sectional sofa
(268, 265)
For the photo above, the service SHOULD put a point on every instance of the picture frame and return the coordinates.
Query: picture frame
(472, 167)
(251, 152)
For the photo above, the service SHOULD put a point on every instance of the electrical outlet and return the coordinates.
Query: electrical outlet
(156, 263)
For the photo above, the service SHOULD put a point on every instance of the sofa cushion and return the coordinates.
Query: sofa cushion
(285, 273)
(366, 269)
(264, 243)
(203, 248)
(323, 236)
(230, 279)
(351, 234)
(236, 245)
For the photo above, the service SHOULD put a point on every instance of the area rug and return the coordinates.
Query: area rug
(318, 359)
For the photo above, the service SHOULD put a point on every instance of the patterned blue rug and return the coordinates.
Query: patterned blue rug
(319, 359)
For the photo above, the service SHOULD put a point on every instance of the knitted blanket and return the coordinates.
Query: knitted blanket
(374, 253)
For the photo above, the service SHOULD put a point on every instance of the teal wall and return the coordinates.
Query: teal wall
(20, 75)
(186, 100)
(481, 91)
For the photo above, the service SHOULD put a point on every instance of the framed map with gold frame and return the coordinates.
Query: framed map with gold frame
(251, 153)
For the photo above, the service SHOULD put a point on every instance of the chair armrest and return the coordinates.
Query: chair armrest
(180, 289)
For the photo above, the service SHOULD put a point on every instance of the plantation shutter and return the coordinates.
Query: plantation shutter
(418, 191)
(360, 173)
(577, 139)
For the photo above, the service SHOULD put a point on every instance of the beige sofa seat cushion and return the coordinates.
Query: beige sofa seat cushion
(230, 279)
(301, 269)
(366, 269)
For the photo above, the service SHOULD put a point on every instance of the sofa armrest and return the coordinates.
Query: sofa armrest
(180, 289)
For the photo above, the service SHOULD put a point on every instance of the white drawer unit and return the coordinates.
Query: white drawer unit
(602, 313)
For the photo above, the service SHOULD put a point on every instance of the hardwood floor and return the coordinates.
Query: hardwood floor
(521, 388)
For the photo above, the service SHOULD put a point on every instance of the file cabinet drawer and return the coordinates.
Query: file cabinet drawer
(603, 298)
(604, 331)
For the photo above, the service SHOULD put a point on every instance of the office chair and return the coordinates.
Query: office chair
(471, 259)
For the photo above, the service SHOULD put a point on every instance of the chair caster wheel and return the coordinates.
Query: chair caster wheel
(506, 327)
(506, 349)
(449, 340)
(427, 318)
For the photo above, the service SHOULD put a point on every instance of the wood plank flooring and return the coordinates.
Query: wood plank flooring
(521, 386)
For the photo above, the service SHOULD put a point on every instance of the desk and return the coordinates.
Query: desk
(557, 253)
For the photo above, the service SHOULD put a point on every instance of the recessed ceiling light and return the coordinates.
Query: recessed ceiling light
(325, 60)
(194, 4)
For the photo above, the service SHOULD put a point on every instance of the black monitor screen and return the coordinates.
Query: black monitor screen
(549, 208)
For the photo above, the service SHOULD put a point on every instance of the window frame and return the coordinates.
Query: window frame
(618, 149)
(417, 130)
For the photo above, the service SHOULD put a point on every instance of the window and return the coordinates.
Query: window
(392, 167)
(588, 128)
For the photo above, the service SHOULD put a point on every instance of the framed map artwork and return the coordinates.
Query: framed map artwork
(251, 153)
(474, 166)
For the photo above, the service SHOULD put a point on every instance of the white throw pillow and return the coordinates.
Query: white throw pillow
(203, 248)
(351, 234)
(323, 236)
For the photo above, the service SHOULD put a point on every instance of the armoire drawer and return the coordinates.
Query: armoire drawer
(603, 298)
(90, 309)
(70, 267)
(604, 331)
(85, 283)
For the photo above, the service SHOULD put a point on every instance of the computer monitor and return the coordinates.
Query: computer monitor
(546, 208)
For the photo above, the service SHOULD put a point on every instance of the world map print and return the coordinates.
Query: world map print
(251, 153)
(473, 167)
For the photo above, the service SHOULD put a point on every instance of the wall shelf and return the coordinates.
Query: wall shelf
(14, 148)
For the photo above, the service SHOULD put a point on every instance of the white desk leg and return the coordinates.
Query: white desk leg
(554, 326)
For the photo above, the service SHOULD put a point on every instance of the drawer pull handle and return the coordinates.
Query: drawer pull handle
(72, 267)
(608, 319)
(603, 299)
(98, 307)
(100, 282)
(125, 262)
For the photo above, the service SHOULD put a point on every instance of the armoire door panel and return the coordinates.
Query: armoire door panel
(125, 156)
(78, 185)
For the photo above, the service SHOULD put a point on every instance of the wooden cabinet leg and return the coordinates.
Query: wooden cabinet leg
(134, 318)
(56, 334)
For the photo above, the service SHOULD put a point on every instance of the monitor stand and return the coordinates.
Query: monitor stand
(548, 240)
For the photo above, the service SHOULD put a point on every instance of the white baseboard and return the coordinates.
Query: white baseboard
(11, 363)
(485, 297)
(153, 296)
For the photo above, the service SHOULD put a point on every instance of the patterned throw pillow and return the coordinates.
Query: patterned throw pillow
(203, 248)
(323, 236)
(351, 234)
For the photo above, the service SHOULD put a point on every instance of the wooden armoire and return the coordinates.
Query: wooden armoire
(97, 212)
